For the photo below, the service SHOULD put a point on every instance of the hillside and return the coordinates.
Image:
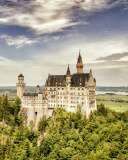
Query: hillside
(65, 136)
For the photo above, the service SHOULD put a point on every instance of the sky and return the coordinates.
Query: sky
(38, 37)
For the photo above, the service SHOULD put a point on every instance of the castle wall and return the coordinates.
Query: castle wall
(30, 115)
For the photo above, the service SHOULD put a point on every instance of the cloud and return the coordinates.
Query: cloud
(37, 73)
(114, 57)
(49, 16)
(18, 41)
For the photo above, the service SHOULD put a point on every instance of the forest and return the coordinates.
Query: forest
(64, 136)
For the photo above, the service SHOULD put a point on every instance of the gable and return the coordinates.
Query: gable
(91, 81)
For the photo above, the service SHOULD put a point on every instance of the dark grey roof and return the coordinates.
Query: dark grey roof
(68, 71)
(31, 94)
(79, 78)
(21, 75)
(76, 79)
(79, 58)
(59, 80)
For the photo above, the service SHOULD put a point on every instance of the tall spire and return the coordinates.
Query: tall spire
(68, 71)
(79, 58)
(79, 65)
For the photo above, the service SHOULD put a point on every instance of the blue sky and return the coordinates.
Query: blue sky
(43, 36)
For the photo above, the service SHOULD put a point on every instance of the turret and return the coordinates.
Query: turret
(68, 75)
(48, 79)
(90, 71)
(20, 86)
(79, 65)
(38, 89)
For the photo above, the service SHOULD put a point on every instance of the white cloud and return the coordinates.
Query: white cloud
(90, 51)
(36, 70)
(50, 16)
(18, 41)
(96, 5)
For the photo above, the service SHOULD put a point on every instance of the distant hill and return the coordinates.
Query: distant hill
(112, 89)
(11, 90)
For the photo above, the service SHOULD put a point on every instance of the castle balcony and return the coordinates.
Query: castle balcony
(92, 93)
(92, 98)
(92, 102)
(91, 105)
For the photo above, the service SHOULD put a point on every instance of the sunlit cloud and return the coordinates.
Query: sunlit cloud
(52, 15)
(58, 29)
(18, 41)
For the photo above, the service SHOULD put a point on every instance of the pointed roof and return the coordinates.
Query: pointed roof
(21, 75)
(68, 70)
(79, 58)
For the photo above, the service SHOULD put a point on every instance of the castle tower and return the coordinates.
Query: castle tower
(20, 86)
(38, 89)
(79, 65)
(68, 85)
(68, 75)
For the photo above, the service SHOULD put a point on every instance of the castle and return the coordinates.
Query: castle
(70, 91)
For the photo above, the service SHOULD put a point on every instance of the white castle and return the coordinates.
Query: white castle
(61, 91)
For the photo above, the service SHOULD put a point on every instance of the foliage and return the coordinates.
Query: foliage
(42, 124)
(64, 136)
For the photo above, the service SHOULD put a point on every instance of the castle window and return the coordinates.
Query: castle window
(78, 88)
(62, 88)
(82, 88)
